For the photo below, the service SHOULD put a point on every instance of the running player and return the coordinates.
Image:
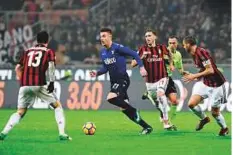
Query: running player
(113, 59)
(153, 56)
(32, 67)
(171, 91)
(211, 85)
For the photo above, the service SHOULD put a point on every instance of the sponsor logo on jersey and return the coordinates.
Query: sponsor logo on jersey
(109, 61)
(153, 59)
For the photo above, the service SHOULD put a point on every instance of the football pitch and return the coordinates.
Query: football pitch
(37, 134)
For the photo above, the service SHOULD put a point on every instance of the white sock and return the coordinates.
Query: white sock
(221, 121)
(197, 111)
(60, 119)
(163, 101)
(14, 119)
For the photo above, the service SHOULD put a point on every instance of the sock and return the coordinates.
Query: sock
(133, 115)
(60, 119)
(153, 99)
(221, 121)
(173, 110)
(197, 111)
(164, 107)
(14, 119)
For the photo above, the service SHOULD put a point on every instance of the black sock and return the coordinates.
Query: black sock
(132, 114)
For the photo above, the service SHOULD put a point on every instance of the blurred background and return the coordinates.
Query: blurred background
(74, 29)
(74, 26)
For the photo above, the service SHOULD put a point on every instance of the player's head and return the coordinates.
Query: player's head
(42, 37)
(106, 37)
(189, 42)
(173, 42)
(150, 37)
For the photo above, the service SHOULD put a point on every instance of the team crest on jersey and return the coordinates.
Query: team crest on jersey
(113, 52)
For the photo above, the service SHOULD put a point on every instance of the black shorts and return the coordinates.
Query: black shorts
(171, 88)
(120, 87)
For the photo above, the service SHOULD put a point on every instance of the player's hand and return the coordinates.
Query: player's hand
(185, 72)
(143, 72)
(188, 77)
(50, 88)
(93, 73)
(172, 68)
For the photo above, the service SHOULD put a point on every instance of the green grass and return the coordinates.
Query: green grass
(37, 135)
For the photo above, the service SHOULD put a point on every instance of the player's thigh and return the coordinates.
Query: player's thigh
(218, 96)
(119, 88)
(194, 100)
(171, 91)
(161, 86)
(45, 96)
(26, 96)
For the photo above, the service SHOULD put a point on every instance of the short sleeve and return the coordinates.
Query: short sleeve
(51, 55)
(204, 57)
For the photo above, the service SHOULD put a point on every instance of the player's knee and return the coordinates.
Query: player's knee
(215, 112)
(55, 105)
(111, 96)
(22, 112)
(191, 105)
(160, 93)
(173, 99)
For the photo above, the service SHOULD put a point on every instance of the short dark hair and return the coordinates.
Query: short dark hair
(190, 40)
(42, 37)
(173, 36)
(106, 29)
(151, 30)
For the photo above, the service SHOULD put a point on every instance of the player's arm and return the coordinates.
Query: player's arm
(102, 70)
(127, 51)
(51, 70)
(205, 59)
(19, 67)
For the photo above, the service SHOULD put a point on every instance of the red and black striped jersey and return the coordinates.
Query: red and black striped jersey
(154, 63)
(34, 62)
(201, 59)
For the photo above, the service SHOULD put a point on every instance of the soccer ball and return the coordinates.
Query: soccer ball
(89, 128)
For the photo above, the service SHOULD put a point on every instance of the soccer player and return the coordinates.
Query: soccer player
(153, 56)
(212, 85)
(171, 91)
(114, 61)
(32, 67)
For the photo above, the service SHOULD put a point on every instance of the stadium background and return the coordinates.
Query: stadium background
(74, 26)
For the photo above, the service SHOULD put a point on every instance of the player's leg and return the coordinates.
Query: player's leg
(25, 98)
(171, 93)
(118, 97)
(220, 120)
(59, 114)
(200, 91)
(174, 102)
(161, 87)
(151, 95)
(218, 97)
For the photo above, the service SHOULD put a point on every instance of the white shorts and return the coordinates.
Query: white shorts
(216, 95)
(27, 95)
(160, 85)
